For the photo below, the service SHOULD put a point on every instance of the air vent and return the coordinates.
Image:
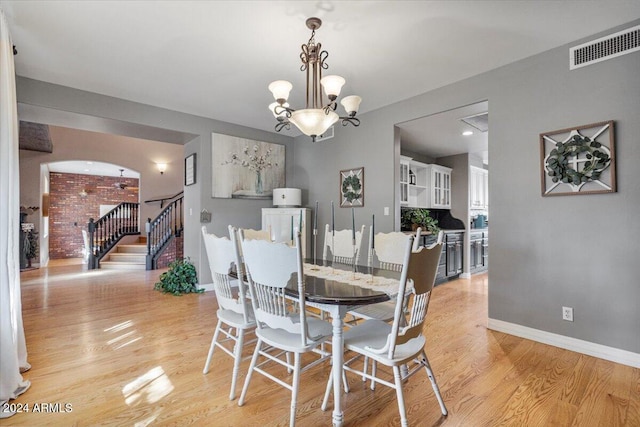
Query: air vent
(604, 48)
(327, 135)
(478, 121)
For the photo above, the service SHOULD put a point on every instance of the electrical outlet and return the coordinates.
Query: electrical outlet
(567, 313)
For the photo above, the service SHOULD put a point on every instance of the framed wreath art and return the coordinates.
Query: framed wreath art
(352, 188)
(578, 160)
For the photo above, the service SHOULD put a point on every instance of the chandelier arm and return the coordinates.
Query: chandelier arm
(304, 57)
(279, 109)
(282, 124)
(352, 120)
(331, 106)
(322, 57)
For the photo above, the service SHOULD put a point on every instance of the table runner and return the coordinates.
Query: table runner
(377, 283)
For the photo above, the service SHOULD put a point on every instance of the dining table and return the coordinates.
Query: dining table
(336, 289)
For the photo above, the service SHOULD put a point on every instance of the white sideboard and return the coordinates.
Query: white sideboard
(284, 221)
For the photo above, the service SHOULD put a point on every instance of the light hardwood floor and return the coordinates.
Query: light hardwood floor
(121, 353)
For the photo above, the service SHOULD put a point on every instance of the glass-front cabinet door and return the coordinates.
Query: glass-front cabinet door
(440, 187)
(404, 180)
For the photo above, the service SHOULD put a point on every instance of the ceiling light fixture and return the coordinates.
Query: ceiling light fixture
(316, 118)
(120, 185)
(467, 133)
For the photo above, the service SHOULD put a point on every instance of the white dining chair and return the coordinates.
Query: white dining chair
(235, 316)
(401, 343)
(252, 234)
(282, 327)
(388, 254)
(338, 246)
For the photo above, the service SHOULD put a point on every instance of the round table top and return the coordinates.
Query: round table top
(335, 292)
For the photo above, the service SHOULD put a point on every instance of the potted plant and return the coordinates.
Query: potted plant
(31, 246)
(181, 278)
(414, 218)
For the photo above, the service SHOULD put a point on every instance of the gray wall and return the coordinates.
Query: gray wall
(578, 251)
(57, 105)
(545, 252)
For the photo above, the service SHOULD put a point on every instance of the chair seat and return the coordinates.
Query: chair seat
(373, 334)
(233, 319)
(381, 311)
(291, 342)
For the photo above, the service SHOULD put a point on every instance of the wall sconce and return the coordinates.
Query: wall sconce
(84, 193)
(162, 167)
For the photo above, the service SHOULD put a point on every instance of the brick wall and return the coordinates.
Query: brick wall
(69, 213)
(173, 251)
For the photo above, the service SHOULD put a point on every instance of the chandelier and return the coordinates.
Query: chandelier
(317, 117)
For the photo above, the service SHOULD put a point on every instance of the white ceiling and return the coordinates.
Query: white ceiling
(216, 58)
(440, 135)
(92, 168)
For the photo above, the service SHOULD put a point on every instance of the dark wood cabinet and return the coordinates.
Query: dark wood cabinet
(455, 247)
(450, 266)
(478, 251)
(485, 250)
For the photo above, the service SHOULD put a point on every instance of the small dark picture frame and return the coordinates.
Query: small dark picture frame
(190, 169)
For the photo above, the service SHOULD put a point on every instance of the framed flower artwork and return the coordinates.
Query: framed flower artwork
(246, 169)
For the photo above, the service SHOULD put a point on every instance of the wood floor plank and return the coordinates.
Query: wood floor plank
(122, 354)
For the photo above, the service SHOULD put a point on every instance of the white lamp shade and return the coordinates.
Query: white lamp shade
(351, 103)
(287, 197)
(332, 84)
(313, 121)
(280, 89)
(281, 111)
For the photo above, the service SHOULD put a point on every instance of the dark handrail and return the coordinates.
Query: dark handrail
(164, 199)
(109, 229)
(160, 231)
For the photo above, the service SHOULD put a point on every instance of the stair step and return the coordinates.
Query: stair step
(128, 257)
(113, 265)
(137, 249)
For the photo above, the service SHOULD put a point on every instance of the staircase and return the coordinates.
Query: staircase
(130, 256)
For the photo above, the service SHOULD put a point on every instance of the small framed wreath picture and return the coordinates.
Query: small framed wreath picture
(578, 160)
(352, 188)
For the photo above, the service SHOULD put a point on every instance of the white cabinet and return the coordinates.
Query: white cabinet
(478, 189)
(423, 185)
(440, 186)
(284, 221)
(404, 180)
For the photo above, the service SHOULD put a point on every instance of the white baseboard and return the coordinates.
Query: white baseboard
(612, 354)
(465, 276)
(206, 286)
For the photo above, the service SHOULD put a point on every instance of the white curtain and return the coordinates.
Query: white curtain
(13, 350)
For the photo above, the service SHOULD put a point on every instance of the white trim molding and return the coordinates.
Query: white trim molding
(580, 346)
(206, 286)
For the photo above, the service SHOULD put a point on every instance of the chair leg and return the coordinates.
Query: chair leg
(294, 391)
(237, 357)
(288, 357)
(254, 359)
(398, 381)
(365, 368)
(212, 347)
(327, 392)
(434, 384)
(345, 383)
(374, 370)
